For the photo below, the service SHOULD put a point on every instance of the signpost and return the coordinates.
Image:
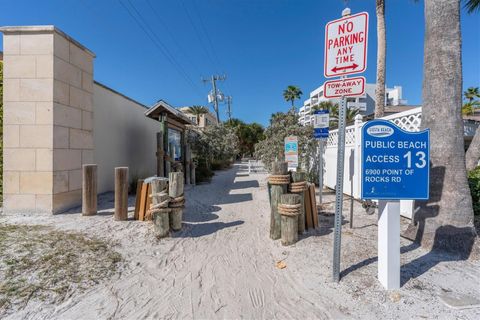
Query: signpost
(395, 165)
(321, 123)
(348, 87)
(291, 152)
(345, 53)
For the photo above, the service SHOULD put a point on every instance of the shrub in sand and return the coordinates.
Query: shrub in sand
(47, 265)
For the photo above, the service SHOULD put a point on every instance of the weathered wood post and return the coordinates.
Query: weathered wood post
(160, 155)
(193, 178)
(289, 209)
(121, 193)
(177, 200)
(89, 189)
(278, 181)
(298, 186)
(159, 208)
(188, 164)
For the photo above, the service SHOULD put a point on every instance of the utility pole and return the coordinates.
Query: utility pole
(214, 80)
(229, 107)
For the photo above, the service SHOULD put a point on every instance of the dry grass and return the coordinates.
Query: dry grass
(41, 263)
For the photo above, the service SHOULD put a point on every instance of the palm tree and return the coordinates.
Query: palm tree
(472, 6)
(333, 112)
(472, 93)
(445, 221)
(292, 93)
(198, 111)
(381, 53)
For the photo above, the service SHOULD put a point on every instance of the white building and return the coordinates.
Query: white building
(365, 103)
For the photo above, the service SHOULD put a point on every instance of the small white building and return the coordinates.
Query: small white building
(364, 103)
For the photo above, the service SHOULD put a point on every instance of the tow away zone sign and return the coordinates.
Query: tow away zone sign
(346, 45)
(348, 87)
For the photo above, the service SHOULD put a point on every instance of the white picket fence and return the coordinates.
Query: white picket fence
(409, 120)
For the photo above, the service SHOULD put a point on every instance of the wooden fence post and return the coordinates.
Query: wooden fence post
(276, 190)
(300, 177)
(188, 164)
(175, 191)
(89, 189)
(289, 209)
(159, 207)
(160, 155)
(121, 193)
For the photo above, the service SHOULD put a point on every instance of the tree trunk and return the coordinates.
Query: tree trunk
(298, 177)
(473, 152)
(276, 191)
(381, 54)
(121, 193)
(445, 221)
(175, 190)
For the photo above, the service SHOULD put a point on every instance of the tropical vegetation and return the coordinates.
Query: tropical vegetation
(198, 111)
(248, 135)
(333, 108)
(291, 94)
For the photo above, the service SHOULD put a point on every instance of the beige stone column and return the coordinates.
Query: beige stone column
(48, 118)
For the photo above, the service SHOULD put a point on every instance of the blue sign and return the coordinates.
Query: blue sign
(321, 119)
(395, 163)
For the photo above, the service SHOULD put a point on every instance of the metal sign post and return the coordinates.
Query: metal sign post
(345, 53)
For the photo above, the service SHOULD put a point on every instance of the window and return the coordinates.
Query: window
(175, 141)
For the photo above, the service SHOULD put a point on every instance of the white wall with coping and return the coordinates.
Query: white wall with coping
(123, 136)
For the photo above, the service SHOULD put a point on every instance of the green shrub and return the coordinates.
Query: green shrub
(220, 164)
(202, 172)
(474, 183)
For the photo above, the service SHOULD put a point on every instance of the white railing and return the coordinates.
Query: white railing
(409, 120)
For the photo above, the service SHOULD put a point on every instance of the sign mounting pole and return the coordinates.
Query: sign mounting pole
(337, 237)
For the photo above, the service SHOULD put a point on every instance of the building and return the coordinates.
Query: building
(205, 120)
(364, 103)
(56, 119)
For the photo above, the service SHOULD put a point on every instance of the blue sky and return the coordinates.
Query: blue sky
(261, 45)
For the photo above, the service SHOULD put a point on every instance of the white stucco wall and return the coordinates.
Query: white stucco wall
(123, 136)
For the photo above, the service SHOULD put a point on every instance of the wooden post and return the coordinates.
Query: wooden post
(175, 190)
(160, 155)
(121, 193)
(289, 221)
(160, 217)
(278, 168)
(138, 199)
(89, 189)
(168, 164)
(299, 177)
(193, 179)
(188, 164)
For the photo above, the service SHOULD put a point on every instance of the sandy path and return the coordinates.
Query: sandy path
(222, 265)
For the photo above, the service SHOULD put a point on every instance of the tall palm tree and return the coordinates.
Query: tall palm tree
(445, 221)
(472, 5)
(381, 55)
(292, 93)
(198, 111)
(472, 93)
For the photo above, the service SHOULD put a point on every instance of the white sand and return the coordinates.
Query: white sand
(222, 265)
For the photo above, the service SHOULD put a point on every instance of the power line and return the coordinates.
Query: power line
(140, 21)
(170, 33)
(189, 17)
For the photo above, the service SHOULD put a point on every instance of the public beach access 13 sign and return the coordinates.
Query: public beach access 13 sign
(291, 152)
(344, 87)
(346, 45)
(321, 120)
(395, 163)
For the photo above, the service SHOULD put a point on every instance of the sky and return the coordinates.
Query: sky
(262, 46)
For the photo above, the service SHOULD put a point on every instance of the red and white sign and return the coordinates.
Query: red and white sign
(348, 87)
(346, 45)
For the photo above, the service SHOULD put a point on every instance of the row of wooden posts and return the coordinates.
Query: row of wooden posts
(158, 199)
(294, 212)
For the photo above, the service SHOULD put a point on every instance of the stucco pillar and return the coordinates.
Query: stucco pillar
(48, 118)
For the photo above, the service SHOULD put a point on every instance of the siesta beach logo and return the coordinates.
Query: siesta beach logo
(380, 131)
